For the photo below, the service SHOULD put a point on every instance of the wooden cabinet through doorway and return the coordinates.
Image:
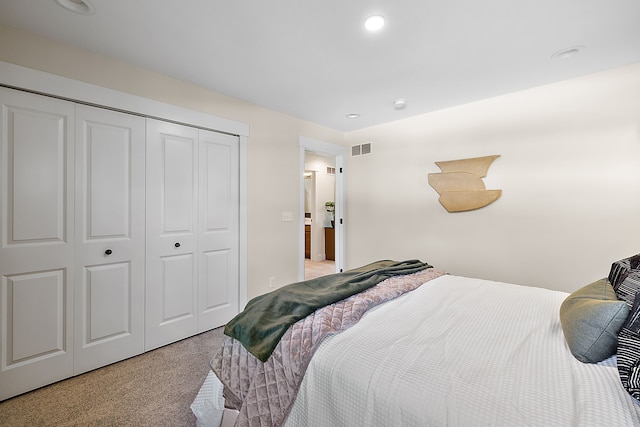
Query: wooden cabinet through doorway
(307, 241)
(330, 244)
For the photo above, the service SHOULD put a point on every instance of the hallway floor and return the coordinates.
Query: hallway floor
(313, 269)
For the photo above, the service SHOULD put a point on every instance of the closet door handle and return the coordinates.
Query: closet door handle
(108, 252)
(177, 245)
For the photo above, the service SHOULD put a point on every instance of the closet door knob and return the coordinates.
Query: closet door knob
(108, 252)
(177, 245)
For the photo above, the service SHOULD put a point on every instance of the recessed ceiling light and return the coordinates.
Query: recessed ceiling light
(352, 116)
(374, 23)
(400, 104)
(567, 53)
(83, 7)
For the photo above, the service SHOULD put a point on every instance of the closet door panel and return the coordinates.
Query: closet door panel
(172, 241)
(38, 164)
(219, 225)
(110, 234)
(216, 294)
(179, 186)
(177, 301)
(108, 305)
(36, 241)
(41, 296)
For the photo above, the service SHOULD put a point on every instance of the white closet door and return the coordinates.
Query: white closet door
(172, 223)
(36, 241)
(219, 229)
(110, 237)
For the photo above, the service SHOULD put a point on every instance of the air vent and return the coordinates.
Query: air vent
(357, 150)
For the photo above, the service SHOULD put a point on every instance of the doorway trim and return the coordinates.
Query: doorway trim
(339, 152)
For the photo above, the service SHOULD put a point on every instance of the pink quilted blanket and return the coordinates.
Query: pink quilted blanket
(264, 392)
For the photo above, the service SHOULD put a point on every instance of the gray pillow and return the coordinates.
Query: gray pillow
(591, 318)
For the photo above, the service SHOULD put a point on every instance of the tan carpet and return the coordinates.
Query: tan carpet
(153, 389)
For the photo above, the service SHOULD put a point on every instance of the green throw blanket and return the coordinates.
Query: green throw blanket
(267, 317)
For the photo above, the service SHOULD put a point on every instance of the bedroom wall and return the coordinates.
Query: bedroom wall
(273, 182)
(569, 171)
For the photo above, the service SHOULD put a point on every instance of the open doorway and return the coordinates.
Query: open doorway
(321, 208)
(319, 215)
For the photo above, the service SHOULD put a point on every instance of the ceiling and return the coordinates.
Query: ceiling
(314, 59)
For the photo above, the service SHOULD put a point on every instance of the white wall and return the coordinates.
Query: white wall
(569, 171)
(273, 147)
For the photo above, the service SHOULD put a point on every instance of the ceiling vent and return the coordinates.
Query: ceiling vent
(357, 150)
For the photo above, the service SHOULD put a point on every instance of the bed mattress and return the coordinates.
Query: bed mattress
(457, 352)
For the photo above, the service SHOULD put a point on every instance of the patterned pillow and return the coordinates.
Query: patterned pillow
(628, 288)
(620, 269)
(591, 318)
(628, 353)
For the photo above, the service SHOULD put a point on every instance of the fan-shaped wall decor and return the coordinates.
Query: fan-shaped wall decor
(460, 184)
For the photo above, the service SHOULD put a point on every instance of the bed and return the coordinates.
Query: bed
(453, 351)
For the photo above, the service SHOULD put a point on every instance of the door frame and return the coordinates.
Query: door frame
(339, 152)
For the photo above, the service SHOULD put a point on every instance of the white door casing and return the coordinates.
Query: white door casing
(36, 241)
(110, 237)
(339, 152)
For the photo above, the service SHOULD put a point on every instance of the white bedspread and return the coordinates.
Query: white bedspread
(460, 352)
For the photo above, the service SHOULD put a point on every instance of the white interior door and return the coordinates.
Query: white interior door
(219, 229)
(110, 237)
(36, 241)
(172, 223)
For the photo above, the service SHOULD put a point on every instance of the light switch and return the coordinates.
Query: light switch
(287, 216)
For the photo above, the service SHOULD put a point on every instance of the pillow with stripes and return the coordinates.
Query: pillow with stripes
(628, 352)
(628, 287)
(620, 269)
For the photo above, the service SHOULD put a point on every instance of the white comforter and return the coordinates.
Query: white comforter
(460, 352)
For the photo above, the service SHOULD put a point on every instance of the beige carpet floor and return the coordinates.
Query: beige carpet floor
(153, 389)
